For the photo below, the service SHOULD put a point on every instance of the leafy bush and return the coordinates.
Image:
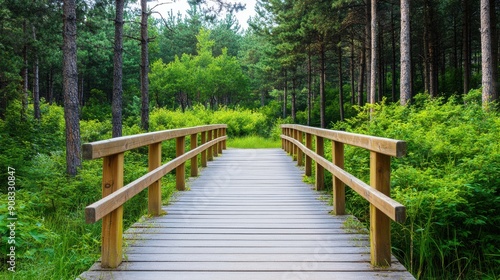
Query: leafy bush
(448, 181)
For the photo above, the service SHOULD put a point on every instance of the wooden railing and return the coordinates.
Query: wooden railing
(382, 207)
(110, 207)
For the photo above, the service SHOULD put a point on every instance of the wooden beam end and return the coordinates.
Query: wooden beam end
(90, 217)
(87, 151)
(401, 149)
(400, 214)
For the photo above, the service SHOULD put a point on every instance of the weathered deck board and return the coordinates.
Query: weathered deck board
(248, 216)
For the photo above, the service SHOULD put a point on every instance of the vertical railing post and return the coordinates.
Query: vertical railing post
(180, 171)
(154, 190)
(308, 168)
(380, 227)
(224, 133)
(194, 160)
(210, 157)
(283, 140)
(320, 171)
(300, 155)
(204, 152)
(294, 147)
(214, 147)
(289, 144)
(112, 224)
(338, 185)
(219, 145)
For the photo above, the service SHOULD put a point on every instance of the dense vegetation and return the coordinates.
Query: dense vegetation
(305, 62)
(448, 181)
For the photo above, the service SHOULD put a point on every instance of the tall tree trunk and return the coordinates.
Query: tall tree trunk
(144, 67)
(36, 83)
(294, 97)
(362, 67)
(393, 50)
(466, 48)
(25, 97)
(309, 86)
(405, 75)
(322, 94)
(341, 82)
(70, 89)
(368, 46)
(118, 71)
(381, 65)
(432, 48)
(374, 52)
(494, 44)
(285, 93)
(36, 89)
(488, 81)
(351, 70)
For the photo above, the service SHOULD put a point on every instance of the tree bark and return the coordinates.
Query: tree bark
(341, 82)
(144, 67)
(405, 75)
(309, 86)
(118, 71)
(466, 48)
(70, 89)
(285, 97)
(362, 67)
(322, 94)
(368, 46)
(393, 50)
(294, 101)
(488, 81)
(25, 97)
(36, 83)
(374, 53)
(351, 69)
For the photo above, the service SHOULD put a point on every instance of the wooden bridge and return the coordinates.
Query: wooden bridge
(249, 215)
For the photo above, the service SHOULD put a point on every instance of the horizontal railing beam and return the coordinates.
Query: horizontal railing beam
(393, 209)
(390, 147)
(118, 145)
(106, 205)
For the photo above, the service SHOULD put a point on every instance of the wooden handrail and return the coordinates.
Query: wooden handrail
(382, 207)
(110, 207)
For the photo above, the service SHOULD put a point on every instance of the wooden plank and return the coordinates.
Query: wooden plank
(112, 223)
(320, 170)
(338, 185)
(393, 209)
(204, 153)
(194, 160)
(380, 225)
(248, 250)
(246, 237)
(251, 266)
(180, 171)
(395, 148)
(154, 190)
(294, 274)
(112, 146)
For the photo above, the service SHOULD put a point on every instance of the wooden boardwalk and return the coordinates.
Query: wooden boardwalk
(248, 216)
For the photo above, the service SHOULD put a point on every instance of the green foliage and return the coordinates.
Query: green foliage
(448, 182)
(253, 142)
(202, 78)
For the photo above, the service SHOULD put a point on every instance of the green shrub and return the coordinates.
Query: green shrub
(448, 181)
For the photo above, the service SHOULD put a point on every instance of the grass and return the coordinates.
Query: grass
(253, 142)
